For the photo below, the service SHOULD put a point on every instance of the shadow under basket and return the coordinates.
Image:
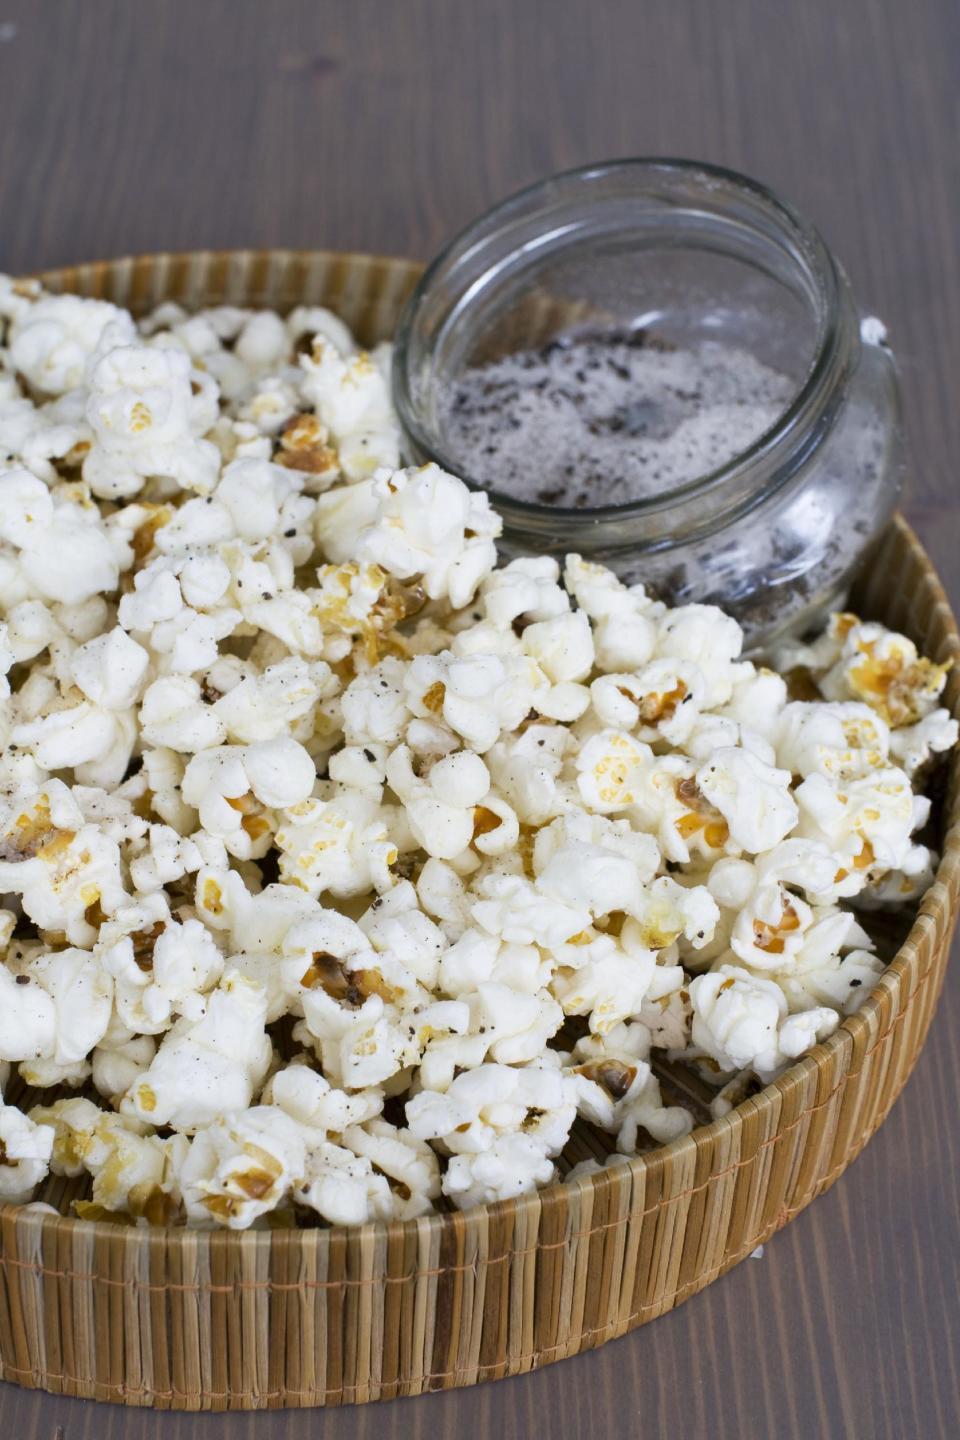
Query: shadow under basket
(181, 1319)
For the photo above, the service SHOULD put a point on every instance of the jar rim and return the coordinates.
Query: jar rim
(773, 454)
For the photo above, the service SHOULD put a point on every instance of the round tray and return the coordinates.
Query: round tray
(179, 1319)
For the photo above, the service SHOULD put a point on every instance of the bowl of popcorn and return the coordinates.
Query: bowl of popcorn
(416, 968)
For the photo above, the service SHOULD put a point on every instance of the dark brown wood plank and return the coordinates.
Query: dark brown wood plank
(366, 125)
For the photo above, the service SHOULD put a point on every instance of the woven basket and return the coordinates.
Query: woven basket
(193, 1320)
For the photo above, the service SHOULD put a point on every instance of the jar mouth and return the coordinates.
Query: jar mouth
(752, 473)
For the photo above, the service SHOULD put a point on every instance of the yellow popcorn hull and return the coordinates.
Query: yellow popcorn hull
(177, 1319)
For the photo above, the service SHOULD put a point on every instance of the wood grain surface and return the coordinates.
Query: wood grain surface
(368, 125)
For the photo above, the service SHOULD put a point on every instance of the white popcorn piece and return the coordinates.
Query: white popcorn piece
(59, 865)
(624, 619)
(206, 1067)
(913, 746)
(131, 1170)
(275, 702)
(477, 696)
(842, 741)
(441, 809)
(526, 590)
(146, 420)
(612, 767)
(662, 700)
(309, 1099)
(339, 846)
(884, 670)
(25, 1150)
(841, 982)
(110, 670)
(353, 1000)
(617, 1091)
(410, 1166)
(343, 1188)
(82, 997)
(235, 789)
(161, 968)
(758, 699)
(741, 1021)
(396, 925)
(484, 1104)
(753, 798)
(514, 1164)
(590, 861)
(241, 1166)
(62, 551)
(352, 399)
(712, 641)
(429, 526)
(175, 716)
(116, 1063)
(52, 340)
(867, 825)
(513, 909)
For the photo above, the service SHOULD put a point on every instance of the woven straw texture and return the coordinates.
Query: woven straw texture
(188, 1320)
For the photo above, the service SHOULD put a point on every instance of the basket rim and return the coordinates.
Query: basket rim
(934, 909)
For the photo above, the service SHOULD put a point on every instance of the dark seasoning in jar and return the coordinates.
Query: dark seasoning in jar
(713, 417)
(602, 419)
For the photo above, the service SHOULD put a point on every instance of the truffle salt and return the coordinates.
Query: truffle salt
(595, 420)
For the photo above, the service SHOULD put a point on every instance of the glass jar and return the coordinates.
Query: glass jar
(682, 254)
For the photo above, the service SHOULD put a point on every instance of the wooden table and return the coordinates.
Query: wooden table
(361, 124)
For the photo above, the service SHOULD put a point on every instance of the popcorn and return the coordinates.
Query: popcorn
(527, 589)
(884, 670)
(913, 746)
(161, 968)
(477, 696)
(441, 810)
(411, 1167)
(285, 755)
(612, 983)
(661, 701)
(146, 421)
(131, 1170)
(428, 525)
(277, 702)
(309, 1099)
(594, 862)
(240, 1167)
(352, 399)
(741, 1020)
(491, 1101)
(62, 553)
(60, 865)
(711, 640)
(840, 982)
(52, 340)
(339, 845)
(233, 787)
(866, 825)
(514, 1164)
(617, 1091)
(82, 998)
(25, 1150)
(624, 619)
(117, 1063)
(209, 1066)
(752, 797)
(841, 741)
(174, 715)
